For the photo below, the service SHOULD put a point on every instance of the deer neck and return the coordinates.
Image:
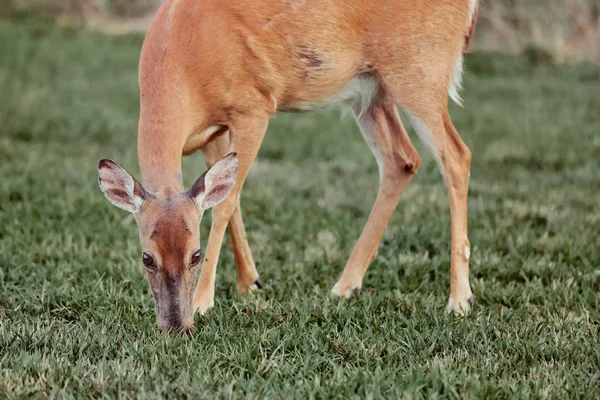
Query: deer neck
(160, 147)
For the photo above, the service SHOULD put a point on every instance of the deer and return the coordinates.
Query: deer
(211, 75)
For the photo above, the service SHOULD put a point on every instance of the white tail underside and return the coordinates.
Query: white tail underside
(457, 73)
(456, 83)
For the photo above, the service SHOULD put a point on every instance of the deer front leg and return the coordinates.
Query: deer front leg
(245, 139)
(247, 276)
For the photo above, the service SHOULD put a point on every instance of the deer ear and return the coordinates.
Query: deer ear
(119, 187)
(215, 184)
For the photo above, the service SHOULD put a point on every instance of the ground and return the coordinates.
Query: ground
(77, 319)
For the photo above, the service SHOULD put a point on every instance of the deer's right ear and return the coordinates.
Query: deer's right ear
(119, 187)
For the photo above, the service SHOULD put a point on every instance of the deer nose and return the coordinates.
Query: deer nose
(174, 323)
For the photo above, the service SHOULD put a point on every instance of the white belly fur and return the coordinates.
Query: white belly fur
(358, 93)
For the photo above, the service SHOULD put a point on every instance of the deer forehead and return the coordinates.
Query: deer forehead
(170, 229)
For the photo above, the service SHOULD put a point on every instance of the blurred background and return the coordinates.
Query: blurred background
(559, 30)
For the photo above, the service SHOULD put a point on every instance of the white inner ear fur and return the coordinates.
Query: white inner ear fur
(118, 187)
(218, 182)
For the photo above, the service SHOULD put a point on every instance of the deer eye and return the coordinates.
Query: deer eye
(196, 257)
(149, 261)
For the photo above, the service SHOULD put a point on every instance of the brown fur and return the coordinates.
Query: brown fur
(169, 230)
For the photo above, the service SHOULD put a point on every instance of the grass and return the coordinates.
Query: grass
(77, 320)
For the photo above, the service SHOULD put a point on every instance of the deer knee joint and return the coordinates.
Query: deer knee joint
(410, 168)
(402, 164)
(411, 164)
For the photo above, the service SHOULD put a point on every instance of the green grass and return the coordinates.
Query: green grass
(77, 319)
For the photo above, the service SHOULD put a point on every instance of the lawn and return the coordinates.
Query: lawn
(77, 318)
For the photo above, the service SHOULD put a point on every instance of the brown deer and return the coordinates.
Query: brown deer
(213, 72)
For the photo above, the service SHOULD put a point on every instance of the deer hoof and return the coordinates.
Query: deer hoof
(344, 290)
(257, 285)
(460, 308)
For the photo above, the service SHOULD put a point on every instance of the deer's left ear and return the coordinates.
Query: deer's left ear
(119, 187)
(214, 185)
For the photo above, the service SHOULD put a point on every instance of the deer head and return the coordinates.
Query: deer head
(169, 227)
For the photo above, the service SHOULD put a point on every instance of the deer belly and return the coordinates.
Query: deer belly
(358, 94)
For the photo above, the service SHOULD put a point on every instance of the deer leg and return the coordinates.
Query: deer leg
(247, 277)
(454, 159)
(398, 161)
(245, 140)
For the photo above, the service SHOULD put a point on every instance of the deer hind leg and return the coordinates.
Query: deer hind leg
(420, 88)
(245, 138)
(247, 277)
(436, 131)
(398, 161)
